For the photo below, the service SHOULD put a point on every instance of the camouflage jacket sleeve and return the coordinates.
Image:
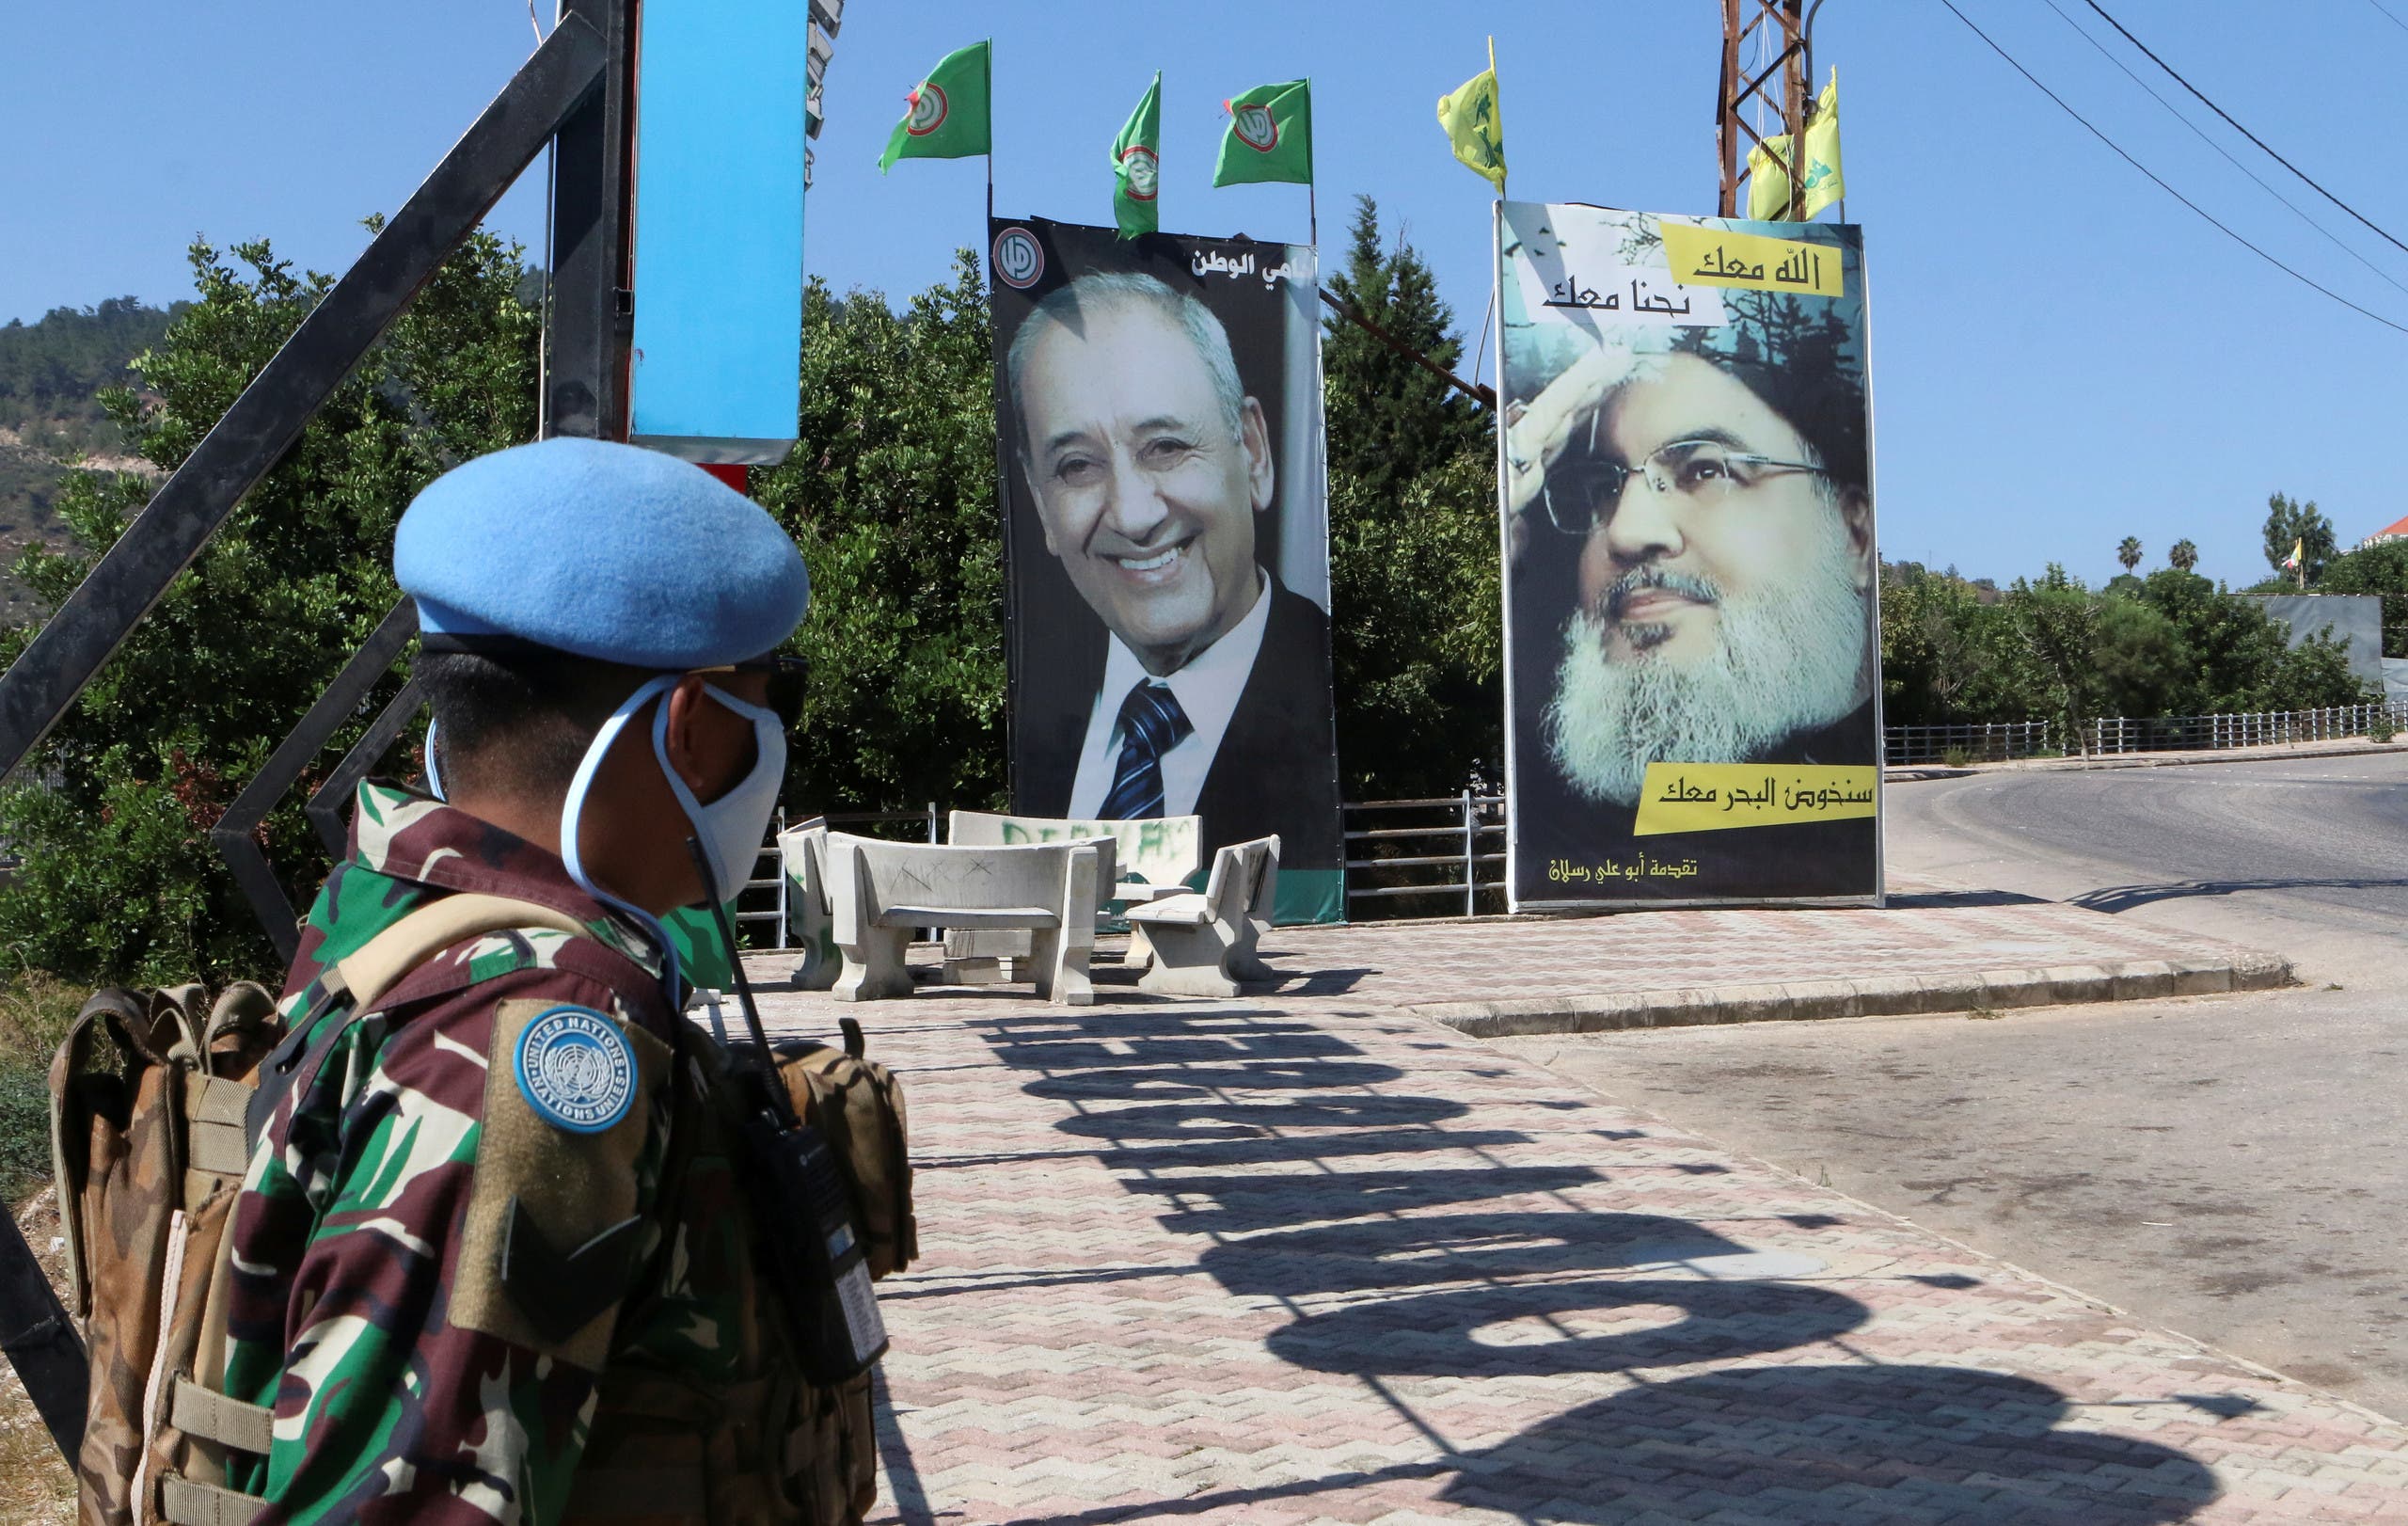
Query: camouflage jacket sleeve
(406, 1382)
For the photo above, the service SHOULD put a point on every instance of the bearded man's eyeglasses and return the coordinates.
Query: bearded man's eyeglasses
(1582, 494)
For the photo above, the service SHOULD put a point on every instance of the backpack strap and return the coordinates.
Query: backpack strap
(361, 978)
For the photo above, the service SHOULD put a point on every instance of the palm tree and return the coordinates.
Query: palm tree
(2129, 552)
(2184, 556)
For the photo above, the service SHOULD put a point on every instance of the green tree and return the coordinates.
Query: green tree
(2059, 621)
(2183, 557)
(2290, 523)
(1415, 630)
(890, 491)
(119, 880)
(1391, 422)
(2129, 553)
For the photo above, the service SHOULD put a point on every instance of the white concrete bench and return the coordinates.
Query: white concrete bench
(879, 892)
(1204, 943)
(1152, 858)
(802, 855)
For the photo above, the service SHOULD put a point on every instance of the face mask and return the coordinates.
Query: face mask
(731, 827)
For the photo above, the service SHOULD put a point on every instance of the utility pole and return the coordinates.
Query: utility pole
(1784, 64)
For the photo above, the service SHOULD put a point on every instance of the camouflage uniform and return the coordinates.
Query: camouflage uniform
(351, 1312)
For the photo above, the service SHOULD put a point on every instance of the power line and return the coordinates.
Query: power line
(2161, 184)
(2387, 15)
(2198, 133)
(2244, 130)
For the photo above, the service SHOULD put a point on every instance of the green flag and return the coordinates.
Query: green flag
(1474, 124)
(1270, 135)
(949, 115)
(1136, 165)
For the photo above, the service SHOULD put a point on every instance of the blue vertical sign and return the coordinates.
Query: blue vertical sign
(716, 369)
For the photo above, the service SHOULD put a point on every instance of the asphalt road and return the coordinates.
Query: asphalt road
(2308, 858)
(2229, 1167)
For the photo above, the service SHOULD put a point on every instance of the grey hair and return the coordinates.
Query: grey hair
(1107, 290)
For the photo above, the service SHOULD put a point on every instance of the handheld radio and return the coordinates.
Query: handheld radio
(815, 1261)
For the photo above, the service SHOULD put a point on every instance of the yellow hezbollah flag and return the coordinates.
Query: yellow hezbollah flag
(1767, 172)
(1474, 124)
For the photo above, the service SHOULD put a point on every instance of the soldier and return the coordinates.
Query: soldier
(490, 1263)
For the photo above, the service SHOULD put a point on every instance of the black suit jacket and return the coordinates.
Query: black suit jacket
(1277, 768)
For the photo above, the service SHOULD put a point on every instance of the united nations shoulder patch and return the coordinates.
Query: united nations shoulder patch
(576, 1070)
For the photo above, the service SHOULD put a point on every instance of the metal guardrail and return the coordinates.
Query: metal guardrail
(2207, 733)
(1478, 821)
(1997, 741)
(1993, 741)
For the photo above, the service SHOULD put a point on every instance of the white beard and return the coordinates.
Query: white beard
(1787, 660)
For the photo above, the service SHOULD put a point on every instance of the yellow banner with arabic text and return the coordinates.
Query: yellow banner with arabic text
(1713, 796)
(1718, 257)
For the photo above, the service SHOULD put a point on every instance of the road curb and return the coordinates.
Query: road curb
(1898, 995)
(1914, 772)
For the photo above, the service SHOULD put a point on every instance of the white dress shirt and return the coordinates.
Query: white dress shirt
(1207, 689)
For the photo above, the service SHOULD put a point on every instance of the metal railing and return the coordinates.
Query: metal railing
(1994, 741)
(1386, 861)
(2207, 733)
(2001, 740)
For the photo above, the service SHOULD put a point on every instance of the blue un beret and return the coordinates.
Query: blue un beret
(604, 551)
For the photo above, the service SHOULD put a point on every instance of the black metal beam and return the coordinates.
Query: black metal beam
(586, 321)
(325, 807)
(269, 416)
(235, 835)
(39, 1340)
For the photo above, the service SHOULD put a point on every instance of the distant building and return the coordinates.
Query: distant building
(2396, 530)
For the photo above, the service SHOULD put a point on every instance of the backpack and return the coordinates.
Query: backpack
(154, 1114)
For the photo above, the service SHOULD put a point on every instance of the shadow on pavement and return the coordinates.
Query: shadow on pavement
(1949, 899)
(1877, 1443)
(2124, 898)
(1443, 1262)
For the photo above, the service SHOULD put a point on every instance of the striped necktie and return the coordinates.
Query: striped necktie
(1151, 724)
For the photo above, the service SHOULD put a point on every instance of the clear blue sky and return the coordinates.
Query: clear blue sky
(2063, 355)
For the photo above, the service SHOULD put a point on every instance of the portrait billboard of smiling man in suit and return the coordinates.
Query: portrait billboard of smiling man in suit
(1164, 660)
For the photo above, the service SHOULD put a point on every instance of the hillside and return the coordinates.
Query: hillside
(52, 374)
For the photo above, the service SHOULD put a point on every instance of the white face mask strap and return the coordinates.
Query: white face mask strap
(433, 780)
(574, 807)
(767, 731)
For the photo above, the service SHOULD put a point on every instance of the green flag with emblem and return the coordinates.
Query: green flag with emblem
(1270, 135)
(1475, 123)
(948, 117)
(1136, 167)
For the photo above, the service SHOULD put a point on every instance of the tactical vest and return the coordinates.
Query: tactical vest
(155, 1115)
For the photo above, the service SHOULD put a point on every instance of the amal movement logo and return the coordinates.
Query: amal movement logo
(1256, 128)
(1019, 260)
(1144, 171)
(927, 110)
(576, 1070)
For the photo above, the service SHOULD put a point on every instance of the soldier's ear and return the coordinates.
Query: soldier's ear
(696, 742)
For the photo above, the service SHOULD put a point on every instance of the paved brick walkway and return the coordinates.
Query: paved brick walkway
(1312, 1260)
(1928, 931)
